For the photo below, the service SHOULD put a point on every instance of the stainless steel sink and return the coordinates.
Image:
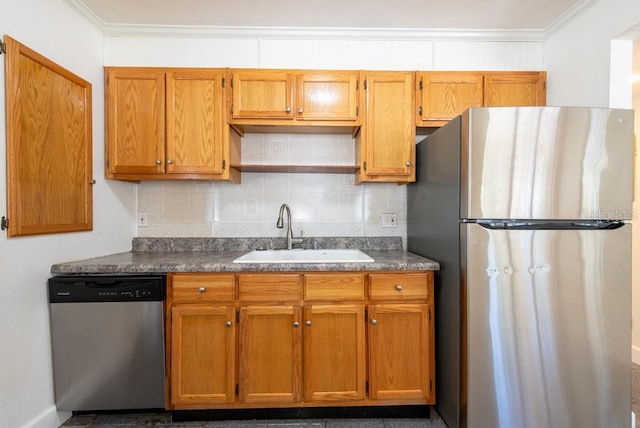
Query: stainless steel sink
(305, 256)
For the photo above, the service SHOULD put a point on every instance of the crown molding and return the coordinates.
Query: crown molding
(198, 31)
(192, 31)
(573, 13)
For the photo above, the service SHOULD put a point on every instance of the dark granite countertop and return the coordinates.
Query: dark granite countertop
(161, 255)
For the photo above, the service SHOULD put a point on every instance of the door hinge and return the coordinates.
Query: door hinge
(357, 84)
(429, 314)
(3, 47)
(357, 110)
(4, 223)
(544, 85)
(238, 317)
(364, 164)
(224, 82)
(365, 84)
(231, 83)
(224, 164)
(237, 389)
(366, 387)
(231, 108)
(430, 386)
(420, 84)
(420, 110)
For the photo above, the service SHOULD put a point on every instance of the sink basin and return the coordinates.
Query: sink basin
(304, 256)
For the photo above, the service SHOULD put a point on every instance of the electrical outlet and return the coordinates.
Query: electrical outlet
(142, 220)
(389, 220)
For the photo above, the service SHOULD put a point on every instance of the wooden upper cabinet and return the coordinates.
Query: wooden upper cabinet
(294, 97)
(515, 89)
(262, 94)
(385, 145)
(194, 122)
(168, 123)
(327, 95)
(135, 125)
(49, 145)
(444, 95)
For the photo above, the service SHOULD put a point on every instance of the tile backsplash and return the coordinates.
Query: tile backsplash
(321, 204)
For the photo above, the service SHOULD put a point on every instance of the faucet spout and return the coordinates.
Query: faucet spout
(280, 225)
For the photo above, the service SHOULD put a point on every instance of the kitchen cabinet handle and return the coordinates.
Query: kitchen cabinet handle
(169, 161)
(296, 324)
(202, 289)
(300, 110)
(374, 321)
(228, 324)
(158, 161)
(288, 109)
(408, 163)
(92, 181)
(308, 323)
(399, 287)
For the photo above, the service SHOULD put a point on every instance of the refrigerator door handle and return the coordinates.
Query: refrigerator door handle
(555, 225)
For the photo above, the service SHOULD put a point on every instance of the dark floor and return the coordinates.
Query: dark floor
(164, 419)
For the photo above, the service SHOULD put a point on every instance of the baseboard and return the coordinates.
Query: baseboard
(50, 418)
(635, 354)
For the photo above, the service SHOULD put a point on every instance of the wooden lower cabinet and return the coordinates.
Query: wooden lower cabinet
(202, 355)
(270, 352)
(327, 339)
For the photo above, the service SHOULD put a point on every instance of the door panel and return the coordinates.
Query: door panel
(548, 327)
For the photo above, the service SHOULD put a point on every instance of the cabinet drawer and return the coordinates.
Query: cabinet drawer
(400, 286)
(347, 286)
(202, 288)
(269, 287)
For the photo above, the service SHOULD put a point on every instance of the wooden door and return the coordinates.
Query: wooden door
(135, 121)
(270, 354)
(515, 89)
(444, 95)
(49, 145)
(399, 352)
(327, 95)
(262, 94)
(334, 352)
(388, 135)
(202, 354)
(194, 121)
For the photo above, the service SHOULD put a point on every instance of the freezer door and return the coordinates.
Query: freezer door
(546, 163)
(547, 327)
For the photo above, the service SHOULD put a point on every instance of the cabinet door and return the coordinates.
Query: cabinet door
(202, 354)
(270, 354)
(327, 96)
(515, 89)
(194, 121)
(334, 352)
(387, 139)
(135, 120)
(399, 352)
(259, 94)
(443, 96)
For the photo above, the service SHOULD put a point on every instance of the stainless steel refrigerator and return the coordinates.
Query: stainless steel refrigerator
(527, 211)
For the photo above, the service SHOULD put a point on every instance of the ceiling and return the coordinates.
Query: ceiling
(415, 14)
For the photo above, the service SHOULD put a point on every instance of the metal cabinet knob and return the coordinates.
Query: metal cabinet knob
(408, 163)
(300, 110)
(308, 323)
(399, 287)
(169, 161)
(92, 181)
(288, 109)
(228, 324)
(296, 324)
(374, 321)
(202, 289)
(158, 161)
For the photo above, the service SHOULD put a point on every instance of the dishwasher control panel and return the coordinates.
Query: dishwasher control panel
(115, 288)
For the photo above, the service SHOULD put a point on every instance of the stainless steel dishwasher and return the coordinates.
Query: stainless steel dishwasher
(107, 337)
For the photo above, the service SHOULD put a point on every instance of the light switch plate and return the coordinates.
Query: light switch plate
(389, 220)
(142, 220)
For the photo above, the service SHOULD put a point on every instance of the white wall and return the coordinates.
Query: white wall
(26, 391)
(584, 66)
(321, 204)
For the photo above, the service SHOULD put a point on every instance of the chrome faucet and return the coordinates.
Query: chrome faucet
(280, 225)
